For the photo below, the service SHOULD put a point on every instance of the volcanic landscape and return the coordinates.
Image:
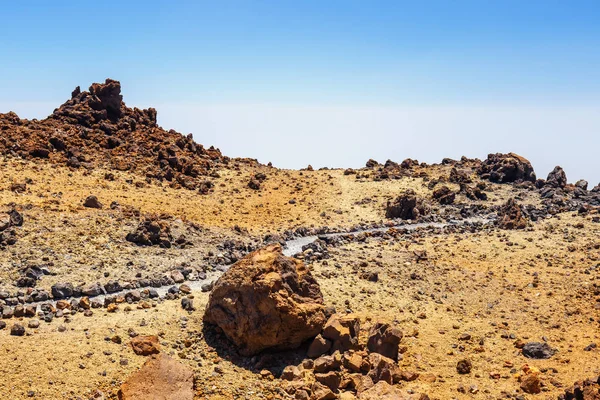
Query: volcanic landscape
(138, 264)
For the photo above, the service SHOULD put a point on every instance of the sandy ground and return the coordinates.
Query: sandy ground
(497, 286)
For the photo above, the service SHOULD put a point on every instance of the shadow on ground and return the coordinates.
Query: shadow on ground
(274, 362)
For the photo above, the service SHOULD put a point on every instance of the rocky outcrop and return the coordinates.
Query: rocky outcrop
(557, 178)
(511, 216)
(444, 195)
(151, 231)
(405, 206)
(506, 168)
(347, 369)
(588, 389)
(267, 301)
(96, 128)
(160, 378)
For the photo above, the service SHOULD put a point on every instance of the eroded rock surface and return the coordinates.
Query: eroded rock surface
(160, 378)
(267, 301)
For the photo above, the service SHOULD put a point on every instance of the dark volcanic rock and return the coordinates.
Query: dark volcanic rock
(557, 178)
(444, 195)
(92, 202)
(588, 389)
(62, 290)
(538, 350)
(152, 231)
(405, 206)
(505, 168)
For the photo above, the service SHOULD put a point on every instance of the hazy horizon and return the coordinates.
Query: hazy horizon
(429, 134)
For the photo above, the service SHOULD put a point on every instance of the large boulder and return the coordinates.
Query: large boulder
(405, 206)
(160, 378)
(267, 301)
(505, 168)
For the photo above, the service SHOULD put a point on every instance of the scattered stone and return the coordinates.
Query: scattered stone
(17, 330)
(318, 347)
(444, 195)
(464, 366)
(538, 350)
(511, 216)
(145, 345)
(342, 331)
(557, 178)
(62, 290)
(92, 202)
(506, 168)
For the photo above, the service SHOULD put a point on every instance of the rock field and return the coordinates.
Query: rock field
(136, 263)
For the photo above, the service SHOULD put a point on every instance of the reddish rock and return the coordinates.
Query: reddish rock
(342, 331)
(383, 369)
(266, 301)
(531, 384)
(511, 216)
(384, 339)
(95, 128)
(145, 345)
(318, 347)
(160, 378)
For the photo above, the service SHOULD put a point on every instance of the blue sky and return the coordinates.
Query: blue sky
(315, 56)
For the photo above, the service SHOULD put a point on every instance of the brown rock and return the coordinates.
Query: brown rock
(291, 373)
(384, 339)
(353, 362)
(318, 347)
(444, 195)
(408, 376)
(405, 206)
(160, 378)
(321, 392)
(266, 300)
(531, 384)
(511, 216)
(328, 363)
(92, 202)
(504, 168)
(145, 345)
(383, 368)
(464, 366)
(342, 331)
(330, 379)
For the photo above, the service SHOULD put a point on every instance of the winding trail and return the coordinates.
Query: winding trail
(291, 248)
